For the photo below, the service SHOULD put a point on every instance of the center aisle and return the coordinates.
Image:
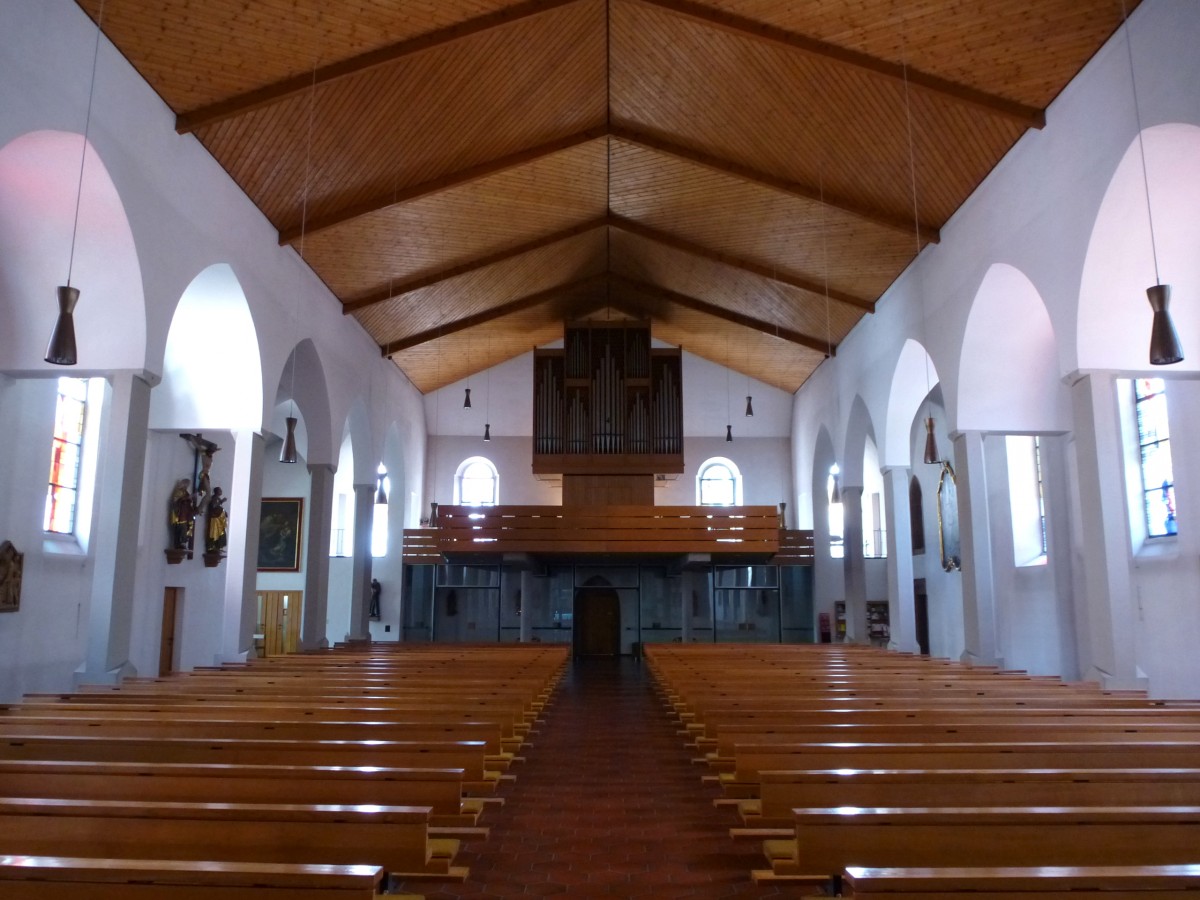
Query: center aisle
(607, 803)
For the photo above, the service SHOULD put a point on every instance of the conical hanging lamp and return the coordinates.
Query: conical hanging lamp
(61, 349)
(289, 454)
(1165, 349)
(381, 497)
(749, 407)
(931, 455)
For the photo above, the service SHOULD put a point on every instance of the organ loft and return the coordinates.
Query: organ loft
(607, 413)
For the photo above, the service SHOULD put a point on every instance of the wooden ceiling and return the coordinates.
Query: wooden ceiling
(466, 174)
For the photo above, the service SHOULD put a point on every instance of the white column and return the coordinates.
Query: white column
(115, 535)
(360, 583)
(1108, 620)
(975, 532)
(901, 608)
(313, 631)
(239, 608)
(853, 566)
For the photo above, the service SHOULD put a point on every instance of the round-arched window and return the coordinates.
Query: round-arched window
(719, 483)
(476, 483)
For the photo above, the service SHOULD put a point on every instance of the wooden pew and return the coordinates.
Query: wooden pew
(1012, 883)
(73, 878)
(827, 841)
(466, 755)
(265, 725)
(1000, 730)
(394, 837)
(752, 759)
(782, 791)
(439, 789)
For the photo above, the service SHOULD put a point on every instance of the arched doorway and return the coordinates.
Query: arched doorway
(597, 617)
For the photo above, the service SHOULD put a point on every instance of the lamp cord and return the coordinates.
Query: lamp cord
(1137, 114)
(312, 107)
(87, 124)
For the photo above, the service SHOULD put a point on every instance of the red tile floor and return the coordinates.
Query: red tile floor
(607, 803)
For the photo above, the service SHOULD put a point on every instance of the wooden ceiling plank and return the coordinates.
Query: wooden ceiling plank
(474, 265)
(439, 184)
(686, 246)
(728, 315)
(273, 93)
(1029, 116)
(929, 231)
(488, 315)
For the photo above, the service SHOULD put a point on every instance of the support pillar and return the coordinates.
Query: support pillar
(239, 610)
(360, 581)
(901, 605)
(1108, 615)
(314, 628)
(975, 531)
(853, 566)
(115, 537)
(527, 589)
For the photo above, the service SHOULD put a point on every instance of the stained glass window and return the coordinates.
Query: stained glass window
(718, 484)
(1154, 438)
(63, 490)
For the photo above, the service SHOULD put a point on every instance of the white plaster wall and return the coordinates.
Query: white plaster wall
(184, 215)
(43, 642)
(763, 462)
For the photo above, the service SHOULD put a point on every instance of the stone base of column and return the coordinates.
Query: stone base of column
(112, 676)
(1110, 682)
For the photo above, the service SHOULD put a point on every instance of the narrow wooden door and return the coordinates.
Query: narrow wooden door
(279, 614)
(597, 622)
(166, 644)
(921, 613)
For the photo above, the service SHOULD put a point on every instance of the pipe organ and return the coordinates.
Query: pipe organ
(607, 403)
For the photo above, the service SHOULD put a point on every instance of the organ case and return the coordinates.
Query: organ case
(607, 403)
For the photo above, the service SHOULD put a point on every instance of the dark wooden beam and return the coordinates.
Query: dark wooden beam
(521, 303)
(824, 347)
(1029, 116)
(929, 232)
(288, 87)
(416, 284)
(744, 265)
(437, 185)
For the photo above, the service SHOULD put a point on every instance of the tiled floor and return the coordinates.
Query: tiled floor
(607, 803)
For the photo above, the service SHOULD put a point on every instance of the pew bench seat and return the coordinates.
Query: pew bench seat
(75, 878)
(830, 840)
(1020, 883)
(393, 837)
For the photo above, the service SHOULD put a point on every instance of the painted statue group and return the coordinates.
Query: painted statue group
(189, 503)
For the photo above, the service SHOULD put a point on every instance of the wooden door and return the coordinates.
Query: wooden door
(921, 613)
(166, 644)
(279, 614)
(597, 622)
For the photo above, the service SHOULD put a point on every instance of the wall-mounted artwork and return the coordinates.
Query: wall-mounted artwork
(12, 564)
(279, 530)
(948, 520)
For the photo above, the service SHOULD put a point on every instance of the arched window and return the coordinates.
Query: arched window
(719, 483)
(73, 456)
(476, 483)
(1154, 445)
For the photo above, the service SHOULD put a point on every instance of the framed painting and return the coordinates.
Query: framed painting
(948, 520)
(279, 528)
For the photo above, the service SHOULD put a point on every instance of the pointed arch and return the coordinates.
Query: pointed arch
(39, 185)
(303, 381)
(212, 370)
(913, 377)
(1008, 374)
(1114, 316)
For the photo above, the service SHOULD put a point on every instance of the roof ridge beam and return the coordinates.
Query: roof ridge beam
(1023, 114)
(439, 184)
(824, 347)
(474, 265)
(685, 246)
(929, 231)
(496, 312)
(270, 94)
